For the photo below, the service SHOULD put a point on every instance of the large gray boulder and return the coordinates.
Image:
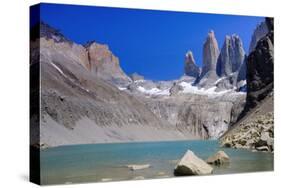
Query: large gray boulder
(190, 68)
(219, 158)
(190, 164)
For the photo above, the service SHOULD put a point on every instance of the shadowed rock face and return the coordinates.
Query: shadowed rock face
(260, 69)
(231, 66)
(254, 128)
(210, 57)
(231, 56)
(260, 31)
(242, 71)
(190, 68)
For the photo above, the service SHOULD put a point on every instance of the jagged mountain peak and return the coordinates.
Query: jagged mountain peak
(231, 56)
(105, 64)
(210, 56)
(190, 67)
(210, 52)
(44, 30)
(234, 39)
(189, 56)
(230, 65)
(211, 38)
(95, 57)
(211, 33)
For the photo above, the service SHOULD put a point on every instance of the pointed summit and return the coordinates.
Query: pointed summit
(190, 68)
(231, 56)
(210, 57)
(210, 53)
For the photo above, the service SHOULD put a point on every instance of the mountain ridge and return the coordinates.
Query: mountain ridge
(104, 105)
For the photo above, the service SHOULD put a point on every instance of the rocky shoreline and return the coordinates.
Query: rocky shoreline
(255, 127)
(256, 135)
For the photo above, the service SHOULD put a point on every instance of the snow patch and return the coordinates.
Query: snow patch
(61, 72)
(242, 83)
(153, 91)
(139, 81)
(122, 88)
(189, 88)
(58, 69)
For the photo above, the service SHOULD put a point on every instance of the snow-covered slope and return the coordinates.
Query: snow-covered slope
(149, 88)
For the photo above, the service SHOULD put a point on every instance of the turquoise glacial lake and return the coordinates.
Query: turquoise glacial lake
(107, 162)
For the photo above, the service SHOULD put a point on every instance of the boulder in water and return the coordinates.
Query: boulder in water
(190, 164)
(134, 167)
(219, 158)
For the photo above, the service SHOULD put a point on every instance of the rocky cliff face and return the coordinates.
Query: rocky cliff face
(190, 67)
(105, 64)
(254, 128)
(231, 56)
(231, 64)
(260, 69)
(204, 116)
(260, 31)
(93, 56)
(79, 106)
(210, 56)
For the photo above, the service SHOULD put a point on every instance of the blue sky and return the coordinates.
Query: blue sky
(152, 43)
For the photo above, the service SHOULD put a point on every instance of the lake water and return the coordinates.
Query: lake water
(106, 162)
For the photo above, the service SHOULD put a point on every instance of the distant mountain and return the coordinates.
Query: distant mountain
(87, 98)
(211, 52)
(190, 67)
(231, 56)
(230, 64)
(222, 69)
